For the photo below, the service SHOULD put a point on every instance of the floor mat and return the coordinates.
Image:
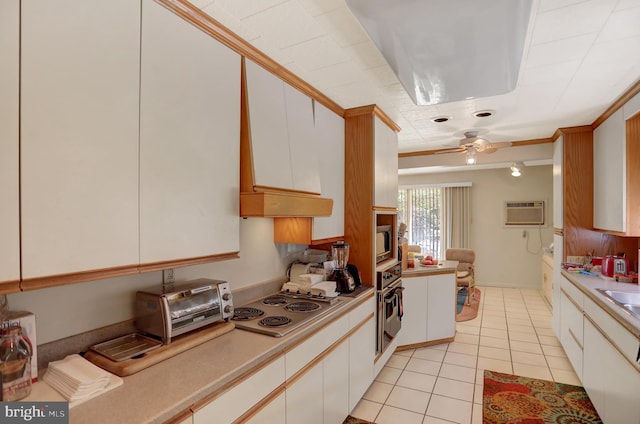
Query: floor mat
(354, 420)
(468, 312)
(513, 399)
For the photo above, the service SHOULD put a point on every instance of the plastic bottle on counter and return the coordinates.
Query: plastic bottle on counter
(15, 364)
(411, 260)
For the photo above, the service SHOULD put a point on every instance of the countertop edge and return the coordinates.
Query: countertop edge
(186, 400)
(588, 285)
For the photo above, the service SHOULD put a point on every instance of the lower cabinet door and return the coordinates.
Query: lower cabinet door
(273, 413)
(336, 385)
(611, 382)
(414, 319)
(362, 352)
(441, 307)
(304, 398)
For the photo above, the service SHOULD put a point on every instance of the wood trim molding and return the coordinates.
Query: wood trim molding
(558, 231)
(7, 287)
(427, 273)
(620, 101)
(121, 271)
(513, 144)
(227, 37)
(372, 110)
(425, 344)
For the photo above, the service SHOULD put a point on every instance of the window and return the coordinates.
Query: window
(437, 218)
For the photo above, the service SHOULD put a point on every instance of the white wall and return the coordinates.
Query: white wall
(503, 256)
(68, 310)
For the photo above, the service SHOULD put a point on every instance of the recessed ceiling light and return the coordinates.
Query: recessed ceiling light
(483, 113)
(440, 119)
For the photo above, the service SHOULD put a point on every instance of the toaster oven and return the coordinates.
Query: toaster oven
(166, 312)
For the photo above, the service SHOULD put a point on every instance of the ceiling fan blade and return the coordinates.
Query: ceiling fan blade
(495, 146)
(451, 150)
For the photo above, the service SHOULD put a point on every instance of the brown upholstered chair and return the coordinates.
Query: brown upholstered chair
(465, 272)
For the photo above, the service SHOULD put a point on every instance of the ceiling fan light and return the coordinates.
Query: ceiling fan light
(516, 169)
(471, 156)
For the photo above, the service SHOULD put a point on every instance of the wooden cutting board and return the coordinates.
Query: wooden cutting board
(178, 345)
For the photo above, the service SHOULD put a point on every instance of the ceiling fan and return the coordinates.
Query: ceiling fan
(472, 144)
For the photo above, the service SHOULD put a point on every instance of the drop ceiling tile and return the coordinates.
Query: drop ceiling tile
(367, 55)
(344, 26)
(316, 53)
(621, 24)
(318, 7)
(246, 8)
(266, 47)
(627, 4)
(383, 75)
(566, 49)
(549, 73)
(285, 24)
(547, 5)
(230, 21)
(339, 74)
(581, 18)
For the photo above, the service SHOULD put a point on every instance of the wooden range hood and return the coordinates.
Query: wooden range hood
(272, 202)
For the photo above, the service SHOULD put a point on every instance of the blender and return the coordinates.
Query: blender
(344, 280)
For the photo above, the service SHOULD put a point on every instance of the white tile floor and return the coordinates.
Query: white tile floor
(443, 383)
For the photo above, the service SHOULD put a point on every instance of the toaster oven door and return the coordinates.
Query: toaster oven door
(189, 310)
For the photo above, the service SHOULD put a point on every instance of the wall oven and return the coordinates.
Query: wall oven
(389, 297)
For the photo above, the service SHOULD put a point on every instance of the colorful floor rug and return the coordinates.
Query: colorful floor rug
(468, 312)
(510, 399)
(354, 420)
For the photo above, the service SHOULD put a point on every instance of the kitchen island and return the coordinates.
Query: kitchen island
(244, 374)
(429, 305)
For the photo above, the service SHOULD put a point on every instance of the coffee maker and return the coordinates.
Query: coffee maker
(344, 280)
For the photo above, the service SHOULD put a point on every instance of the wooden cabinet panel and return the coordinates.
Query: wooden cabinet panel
(558, 210)
(9, 143)
(189, 140)
(79, 135)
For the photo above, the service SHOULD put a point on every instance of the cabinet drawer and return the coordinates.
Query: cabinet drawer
(362, 312)
(625, 342)
(238, 399)
(572, 292)
(304, 353)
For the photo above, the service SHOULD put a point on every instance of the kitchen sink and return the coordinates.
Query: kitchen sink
(630, 301)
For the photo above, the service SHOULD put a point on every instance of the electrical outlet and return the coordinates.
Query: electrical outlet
(167, 276)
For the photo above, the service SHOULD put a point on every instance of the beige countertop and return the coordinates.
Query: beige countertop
(444, 267)
(588, 285)
(164, 390)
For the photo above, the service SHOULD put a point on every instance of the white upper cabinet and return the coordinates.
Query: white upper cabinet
(189, 140)
(80, 76)
(329, 142)
(281, 127)
(386, 165)
(558, 194)
(609, 174)
(9, 141)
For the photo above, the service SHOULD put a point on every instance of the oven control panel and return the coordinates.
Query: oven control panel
(388, 276)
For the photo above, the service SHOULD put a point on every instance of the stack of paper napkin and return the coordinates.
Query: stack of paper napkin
(76, 378)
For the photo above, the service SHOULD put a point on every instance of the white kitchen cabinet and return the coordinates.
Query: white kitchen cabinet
(79, 135)
(441, 307)
(273, 413)
(386, 165)
(611, 381)
(362, 352)
(9, 140)
(189, 140)
(429, 309)
(571, 325)
(609, 171)
(336, 385)
(546, 264)
(240, 398)
(558, 204)
(304, 398)
(329, 146)
(558, 248)
(281, 127)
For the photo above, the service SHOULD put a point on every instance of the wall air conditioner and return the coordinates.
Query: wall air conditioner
(523, 213)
